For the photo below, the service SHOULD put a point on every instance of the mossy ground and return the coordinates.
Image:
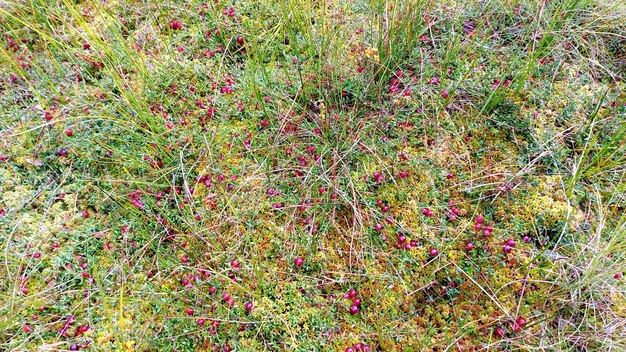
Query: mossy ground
(146, 145)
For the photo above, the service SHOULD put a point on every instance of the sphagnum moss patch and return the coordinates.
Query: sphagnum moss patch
(312, 176)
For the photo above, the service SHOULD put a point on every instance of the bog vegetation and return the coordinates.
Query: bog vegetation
(304, 175)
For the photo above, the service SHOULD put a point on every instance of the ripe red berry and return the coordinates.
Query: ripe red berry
(225, 296)
(249, 306)
(298, 261)
(469, 246)
(444, 94)
(479, 219)
(521, 321)
(189, 311)
(433, 252)
(69, 132)
(176, 25)
(85, 214)
(200, 322)
(354, 309)
(357, 302)
(506, 249)
(349, 349)
(617, 276)
(510, 242)
(500, 331)
(27, 328)
(352, 293)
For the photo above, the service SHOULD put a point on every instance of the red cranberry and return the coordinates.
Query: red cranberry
(357, 302)
(354, 309)
(510, 243)
(225, 296)
(469, 246)
(298, 261)
(444, 94)
(349, 349)
(433, 252)
(189, 311)
(176, 25)
(617, 276)
(200, 322)
(352, 293)
(506, 249)
(85, 214)
(499, 331)
(27, 328)
(69, 132)
(479, 219)
(249, 306)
